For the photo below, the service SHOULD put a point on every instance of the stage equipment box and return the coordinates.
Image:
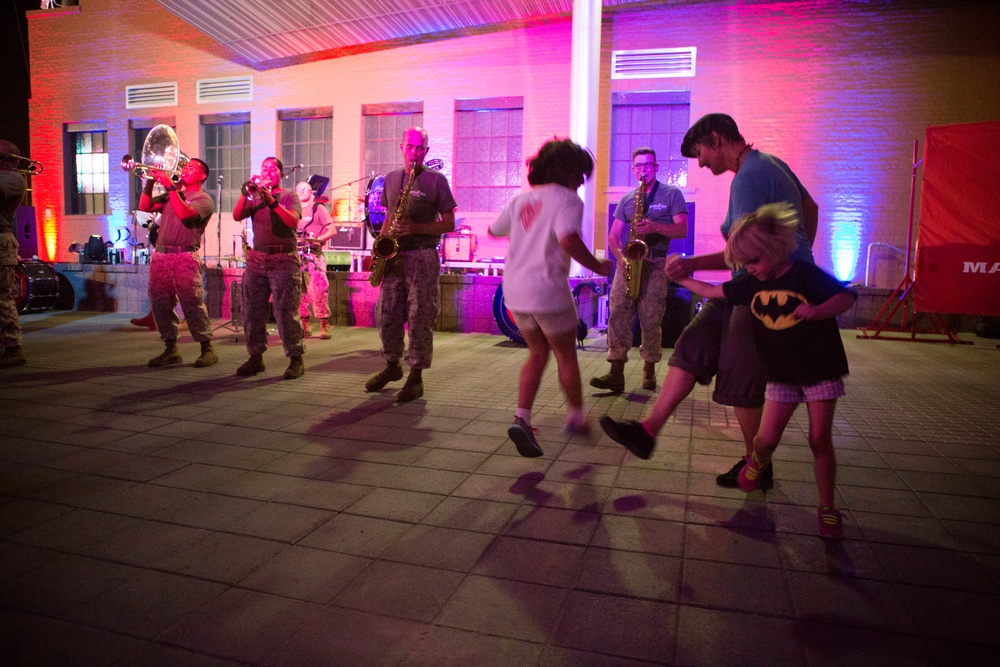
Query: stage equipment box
(352, 236)
(458, 247)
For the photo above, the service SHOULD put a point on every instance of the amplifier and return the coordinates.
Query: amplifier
(458, 247)
(349, 237)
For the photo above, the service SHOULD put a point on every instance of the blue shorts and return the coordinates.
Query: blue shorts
(719, 343)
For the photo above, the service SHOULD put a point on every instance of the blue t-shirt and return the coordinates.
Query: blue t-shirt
(764, 179)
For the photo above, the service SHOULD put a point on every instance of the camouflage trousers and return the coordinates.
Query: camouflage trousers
(10, 323)
(280, 277)
(410, 295)
(317, 287)
(173, 278)
(651, 303)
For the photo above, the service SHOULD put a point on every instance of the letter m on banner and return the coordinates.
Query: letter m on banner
(958, 242)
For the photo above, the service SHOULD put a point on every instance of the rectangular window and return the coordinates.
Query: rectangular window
(658, 120)
(227, 154)
(383, 130)
(306, 139)
(87, 173)
(488, 142)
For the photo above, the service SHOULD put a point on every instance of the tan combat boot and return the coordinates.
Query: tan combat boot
(614, 381)
(208, 355)
(649, 376)
(170, 355)
(324, 328)
(306, 329)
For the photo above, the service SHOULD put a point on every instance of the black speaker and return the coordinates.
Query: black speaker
(349, 237)
(27, 232)
(95, 252)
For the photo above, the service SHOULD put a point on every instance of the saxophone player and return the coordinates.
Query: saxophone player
(664, 219)
(410, 289)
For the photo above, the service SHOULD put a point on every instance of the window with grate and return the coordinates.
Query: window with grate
(488, 147)
(658, 120)
(227, 154)
(306, 139)
(383, 130)
(87, 176)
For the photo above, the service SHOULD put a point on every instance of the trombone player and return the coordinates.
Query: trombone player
(664, 219)
(12, 189)
(175, 270)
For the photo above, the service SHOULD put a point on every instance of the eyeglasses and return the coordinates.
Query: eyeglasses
(644, 165)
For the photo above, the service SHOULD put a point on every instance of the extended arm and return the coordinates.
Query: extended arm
(703, 289)
(835, 305)
(574, 246)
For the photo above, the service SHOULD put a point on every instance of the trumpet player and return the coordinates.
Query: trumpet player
(664, 219)
(273, 268)
(410, 290)
(12, 188)
(175, 269)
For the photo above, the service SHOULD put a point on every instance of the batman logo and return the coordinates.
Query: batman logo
(775, 308)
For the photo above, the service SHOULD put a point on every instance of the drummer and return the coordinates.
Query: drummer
(315, 229)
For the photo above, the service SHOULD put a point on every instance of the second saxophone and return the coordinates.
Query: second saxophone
(385, 246)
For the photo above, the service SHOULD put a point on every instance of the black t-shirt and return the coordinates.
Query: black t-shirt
(794, 351)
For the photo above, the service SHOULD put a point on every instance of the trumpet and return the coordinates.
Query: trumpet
(30, 168)
(253, 188)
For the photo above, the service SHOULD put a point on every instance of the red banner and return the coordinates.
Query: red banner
(958, 242)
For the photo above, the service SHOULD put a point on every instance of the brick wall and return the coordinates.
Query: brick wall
(840, 90)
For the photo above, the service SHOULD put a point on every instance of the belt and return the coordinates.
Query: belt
(176, 248)
(275, 249)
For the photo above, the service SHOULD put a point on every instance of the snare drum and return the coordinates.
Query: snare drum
(36, 286)
(375, 212)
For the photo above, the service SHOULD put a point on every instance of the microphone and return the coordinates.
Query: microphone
(220, 179)
(294, 169)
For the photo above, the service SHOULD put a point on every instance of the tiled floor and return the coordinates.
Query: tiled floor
(184, 516)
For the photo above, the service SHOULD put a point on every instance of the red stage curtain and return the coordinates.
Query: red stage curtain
(958, 243)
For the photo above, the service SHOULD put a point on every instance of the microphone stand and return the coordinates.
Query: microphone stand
(218, 228)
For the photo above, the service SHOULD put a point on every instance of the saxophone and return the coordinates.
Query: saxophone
(385, 246)
(635, 250)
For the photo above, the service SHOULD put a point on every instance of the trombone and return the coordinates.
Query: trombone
(29, 168)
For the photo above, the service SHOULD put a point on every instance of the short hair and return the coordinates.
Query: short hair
(719, 123)
(277, 162)
(204, 166)
(771, 231)
(643, 150)
(559, 161)
(11, 148)
(416, 128)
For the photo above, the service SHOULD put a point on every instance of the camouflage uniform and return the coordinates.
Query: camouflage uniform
(175, 270)
(651, 304)
(411, 290)
(273, 270)
(12, 187)
(411, 293)
(177, 277)
(317, 285)
(663, 202)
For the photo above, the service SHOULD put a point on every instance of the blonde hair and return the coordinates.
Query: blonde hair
(769, 232)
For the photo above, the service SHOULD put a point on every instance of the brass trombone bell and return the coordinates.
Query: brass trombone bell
(24, 165)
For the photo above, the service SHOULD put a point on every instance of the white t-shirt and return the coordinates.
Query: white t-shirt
(536, 271)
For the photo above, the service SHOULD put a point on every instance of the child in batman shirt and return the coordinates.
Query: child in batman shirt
(794, 305)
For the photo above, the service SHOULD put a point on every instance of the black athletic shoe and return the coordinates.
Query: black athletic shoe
(524, 439)
(728, 479)
(630, 434)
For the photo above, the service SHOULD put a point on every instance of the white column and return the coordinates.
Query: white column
(585, 68)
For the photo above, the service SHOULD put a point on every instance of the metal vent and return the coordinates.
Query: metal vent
(151, 95)
(653, 63)
(229, 89)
